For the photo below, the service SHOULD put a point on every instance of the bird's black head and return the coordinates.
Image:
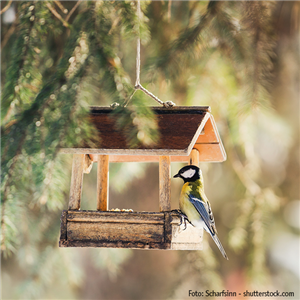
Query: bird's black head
(189, 173)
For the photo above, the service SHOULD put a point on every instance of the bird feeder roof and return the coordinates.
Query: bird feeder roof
(181, 130)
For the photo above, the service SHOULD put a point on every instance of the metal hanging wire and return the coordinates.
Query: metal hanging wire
(138, 85)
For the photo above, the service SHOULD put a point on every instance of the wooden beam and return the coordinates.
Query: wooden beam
(194, 157)
(63, 227)
(157, 109)
(102, 182)
(88, 164)
(164, 183)
(141, 230)
(91, 216)
(115, 244)
(113, 232)
(207, 153)
(76, 181)
(181, 129)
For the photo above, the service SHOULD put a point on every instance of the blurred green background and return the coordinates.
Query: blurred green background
(241, 58)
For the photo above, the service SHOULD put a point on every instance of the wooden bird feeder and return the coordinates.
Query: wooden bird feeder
(187, 134)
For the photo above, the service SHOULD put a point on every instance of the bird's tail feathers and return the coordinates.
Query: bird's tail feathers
(218, 243)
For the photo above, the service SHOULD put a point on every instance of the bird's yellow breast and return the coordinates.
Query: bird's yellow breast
(184, 203)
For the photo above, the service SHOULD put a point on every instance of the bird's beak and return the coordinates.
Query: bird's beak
(177, 175)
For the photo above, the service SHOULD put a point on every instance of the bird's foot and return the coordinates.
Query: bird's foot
(183, 218)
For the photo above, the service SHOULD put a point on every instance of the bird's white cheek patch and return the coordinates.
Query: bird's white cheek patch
(189, 173)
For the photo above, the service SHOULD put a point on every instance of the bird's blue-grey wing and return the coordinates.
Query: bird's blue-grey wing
(208, 220)
(211, 217)
(205, 215)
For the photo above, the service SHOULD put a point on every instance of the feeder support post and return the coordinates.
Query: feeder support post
(76, 181)
(194, 157)
(164, 183)
(102, 182)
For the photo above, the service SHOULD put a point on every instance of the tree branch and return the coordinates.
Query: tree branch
(62, 8)
(6, 7)
(72, 11)
(57, 15)
(8, 35)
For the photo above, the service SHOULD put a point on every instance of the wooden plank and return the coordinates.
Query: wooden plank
(176, 131)
(114, 220)
(63, 226)
(194, 157)
(143, 230)
(125, 151)
(186, 239)
(209, 132)
(186, 246)
(88, 164)
(190, 238)
(137, 230)
(76, 181)
(164, 183)
(115, 232)
(102, 182)
(177, 128)
(167, 229)
(158, 109)
(197, 134)
(116, 244)
(218, 137)
(121, 217)
(181, 129)
(210, 152)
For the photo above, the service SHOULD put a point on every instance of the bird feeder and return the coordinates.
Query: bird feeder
(187, 134)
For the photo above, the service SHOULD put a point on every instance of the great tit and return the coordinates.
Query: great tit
(194, 204)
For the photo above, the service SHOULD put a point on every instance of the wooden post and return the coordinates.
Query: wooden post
(76, 181)
(164, 183)
(194, 157)
(88, 164)
(102, 182)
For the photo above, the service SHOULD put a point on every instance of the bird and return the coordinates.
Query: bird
(194, 204)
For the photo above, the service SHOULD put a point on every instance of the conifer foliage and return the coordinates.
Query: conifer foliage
(42, 106)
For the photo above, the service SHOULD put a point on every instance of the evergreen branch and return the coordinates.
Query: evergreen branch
(61, 7)
(15, 136)
(228, 33)
(6, 7)
(115, 80)
(19, 54)
(244, 177)
(70, 100)
(72, 11)
(257, 21)
(186, 40)
(250, 185)
(138, 123)
(191, 12)
(8, 34)
(57, 15)
(256, 73)
(4, 193)
(170, 58)
(10, 170)
(132, 26)
(21, 135)
(169, 10)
